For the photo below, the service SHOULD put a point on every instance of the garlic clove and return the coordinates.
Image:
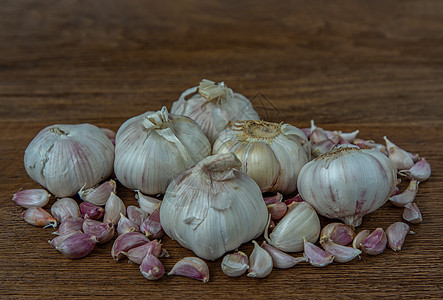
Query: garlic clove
(100, 194)
(93, 211)
(191, 267)
(37, 216)
(103, 231)
(113, 208)
(137, 254)
(125, 242)
(146, 203)
(260, 262)
(317, 134)
(421, 170)
(31, 198)
(125, 225)
(315, 255)
(235, 264)
(401, 159)
(396, 234)
(406, 196)
(296, 198)
(349, 137)
(342, 254)
(412, 213)
(280, 259)
(65, 208)
(322, 147)
(151, 267)
(375, 243)
(77, 245)
(71, 224)
(110, 134)
(338, 233)
(152, 227)
(359, 238)
(273, 199)
(58, 240)
(367, 144)
(136, 215)
(277, 210)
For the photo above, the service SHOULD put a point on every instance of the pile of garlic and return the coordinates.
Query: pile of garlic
(212, 158)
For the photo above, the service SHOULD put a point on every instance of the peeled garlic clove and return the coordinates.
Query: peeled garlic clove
(110, 134)
(342, 254)
(93, 211)
(125, 225)
(71, 224)
(301, 221)
(113, 208)
(100, 194)
(125, 242)
(37, 216)
(103, 231)
(273, 199)
(235, 264)
(407, 196)
(152, 227)
(31, 198)
(338, 233)
(77, 245)
(412, 213)
(375, 243)
(137, 254)
(146, 203)
(280, 259)
(136, 215)
(396, 234)
(151, 267)
(191, 267)
(65, 208)
(401, 159)
(421, 170)
(359, 238)
(277, 210)
(315, 255)
(260, 262)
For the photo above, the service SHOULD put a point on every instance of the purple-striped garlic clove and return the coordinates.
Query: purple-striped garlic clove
(137, 254)
(103, 231)
(37, 216)
(58, 240)
(296, 199)
(420, 171)
(338, 233)
(375, 243)
(192, 267)
(412, 213)
(125, 242)
(71, 224)
(65, 208)
(110, 134)
(94, 212)
(342, 254)
(136, 215)
(359, 238)
(235, 264)
(368, 144)
(31, 198)
(322, 147)
(396, 234)
(125, 225)
(147, 204)
(401, 158)
(316, 134)
(152, 227)
(273, 199)
(315, 255)
(407, 196)
(77, 245)
(277, 210)
(260, 262)
(98, 195)
(280, 259)
(151, 267)
(113, 209)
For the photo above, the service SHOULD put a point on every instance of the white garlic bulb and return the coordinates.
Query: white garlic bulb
(213, 208)
(212, 106)
(271, 153)
(152, 148)
(348, 183)
(64, 158)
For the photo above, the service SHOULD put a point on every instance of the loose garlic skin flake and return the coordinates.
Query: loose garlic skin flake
(347, 183)
(152, 148)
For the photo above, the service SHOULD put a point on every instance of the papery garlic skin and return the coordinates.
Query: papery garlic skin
(213, 208)
(152, 148)
(64, 158)
(212, 106)
(271, 153)
(347, 183)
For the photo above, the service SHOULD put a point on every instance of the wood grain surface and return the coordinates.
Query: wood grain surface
(376, 66)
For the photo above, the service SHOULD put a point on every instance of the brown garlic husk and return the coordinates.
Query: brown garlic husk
(420, 171)
(37, 216)
(374, 243)
(359, 238)
(31, 198)
(338, 233)
(281, 259)
(277, 210)
(260, 262)
(235, 264)
(71, 224)
(103, 231)
(412, 213)
(137, 254)
(192, 267)
(342, 254)
(136, 215)
(396, 234)
(152, 227)
(273, 199)
(407, 196)
(147, 204)
(77, 245)
(151, 267)
(125, 225)
(113, 208)
(64, 208)
(99, 195)
(315, 255)
(401, 158)
(125, 242)
(94, 212)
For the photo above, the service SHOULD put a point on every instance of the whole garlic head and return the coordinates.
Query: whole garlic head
(348, 183)
(213, 208)
(152, 148)
(212, 106)
(64, 158)
(271, 153)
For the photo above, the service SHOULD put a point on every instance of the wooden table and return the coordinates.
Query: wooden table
(376, 66)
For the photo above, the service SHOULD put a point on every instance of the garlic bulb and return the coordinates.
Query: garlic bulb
(64, 158)
(213, 208)
(153, 148)
(348, 183)
(212, 106)
(272, 154)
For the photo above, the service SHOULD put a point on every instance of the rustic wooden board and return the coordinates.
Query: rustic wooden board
(376, 66)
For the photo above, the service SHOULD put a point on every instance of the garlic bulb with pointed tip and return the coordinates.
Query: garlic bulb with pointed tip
(212, 106)
(153, 148)
(213, 208)
(271, 153)
(64, 158)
